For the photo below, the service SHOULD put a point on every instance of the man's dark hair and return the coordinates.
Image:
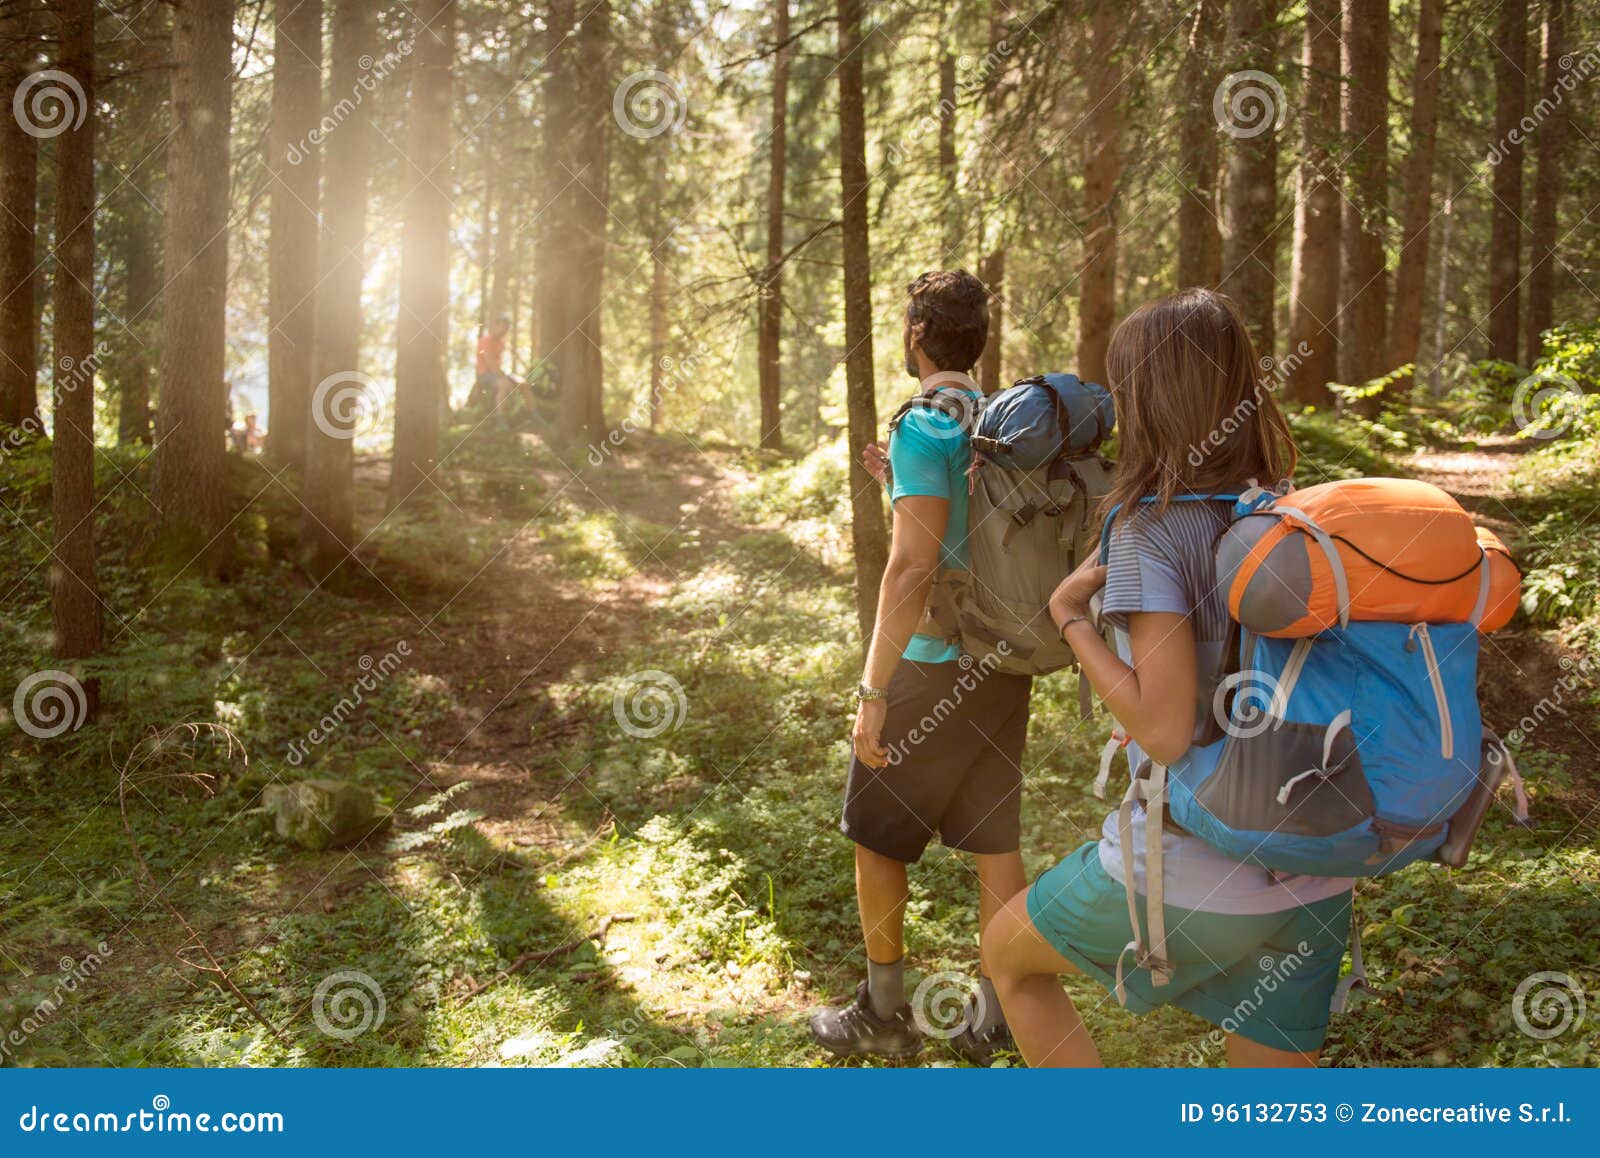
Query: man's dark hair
(948, 317)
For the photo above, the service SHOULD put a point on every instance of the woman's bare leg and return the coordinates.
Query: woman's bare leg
(1244, 1053)
(1026, 972)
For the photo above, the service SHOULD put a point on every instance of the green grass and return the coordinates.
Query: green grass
(717, 837)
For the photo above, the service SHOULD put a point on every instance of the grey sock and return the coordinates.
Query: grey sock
(886, 987)
(989, 1011)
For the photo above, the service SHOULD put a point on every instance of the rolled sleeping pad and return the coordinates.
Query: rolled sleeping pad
(1408, 551)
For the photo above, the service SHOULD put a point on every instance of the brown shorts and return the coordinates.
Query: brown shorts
(954, 735)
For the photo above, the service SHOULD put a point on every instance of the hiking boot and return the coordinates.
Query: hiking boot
(979, 1048)
(854, 1030)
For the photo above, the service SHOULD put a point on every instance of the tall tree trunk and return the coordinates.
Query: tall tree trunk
(1364, 120)
(659, 290)
(592, 151)
(19, 337)
(1547, 182)
(867, 532)
(949, 171)
(327, 528)
(75, 598)
(1410, 279)
(577, 113)
(419, 374)
(552, 292)
(140, 257)
(992, 273)
(992, 265)
(1505, 221)
(190, 478)
(294, 173)
(1250, 243)
(486, 234)
(1314, 275)
(771, 311)
(1199, 238)
(1442, 295)
(1102, 169)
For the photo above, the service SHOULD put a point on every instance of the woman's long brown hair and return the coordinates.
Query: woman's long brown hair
(1193, 415)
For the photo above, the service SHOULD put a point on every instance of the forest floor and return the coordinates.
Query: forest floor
(615, 742)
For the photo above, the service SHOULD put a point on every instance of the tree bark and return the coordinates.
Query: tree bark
(327, 528)
(292, 253)
(1102, 169)
(867, 532)
(1505, 155)
(992, 265)
(949, 170)
(992, 273)
(1410, 279)
(191, 420)
(577, 114)
(140, 258)
(1250, 243)
(75, 598)
(771, 309)
(592, 150)
(421, 337)
(1199, 235)
(552, 301)
(1364, 119)
(19, 156)
(1547, 183)
(1314, 275)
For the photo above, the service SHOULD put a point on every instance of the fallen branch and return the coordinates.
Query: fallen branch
(538, 956)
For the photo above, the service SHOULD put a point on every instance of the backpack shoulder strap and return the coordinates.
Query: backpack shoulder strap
(951, 401)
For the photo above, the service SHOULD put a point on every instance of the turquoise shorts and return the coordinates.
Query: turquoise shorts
(1267, 977)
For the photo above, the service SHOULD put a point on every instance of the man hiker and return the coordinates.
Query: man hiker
(961, 778)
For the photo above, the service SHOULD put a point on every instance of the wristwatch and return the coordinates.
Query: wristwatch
(863, 692)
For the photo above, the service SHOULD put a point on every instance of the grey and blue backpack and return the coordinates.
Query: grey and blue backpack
(1036, 481)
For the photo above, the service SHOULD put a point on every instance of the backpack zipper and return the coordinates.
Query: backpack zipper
(1447, 739)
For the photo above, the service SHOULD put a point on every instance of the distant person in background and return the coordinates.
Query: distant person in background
(246, 439)
(493, 383)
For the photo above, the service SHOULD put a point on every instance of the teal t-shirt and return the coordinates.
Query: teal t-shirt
(928, 455)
